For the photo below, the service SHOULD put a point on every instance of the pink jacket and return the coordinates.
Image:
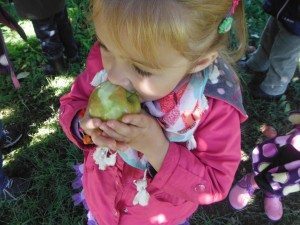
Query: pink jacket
(186, 179)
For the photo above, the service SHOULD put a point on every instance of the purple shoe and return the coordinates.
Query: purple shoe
(273, 206)
(242, 192)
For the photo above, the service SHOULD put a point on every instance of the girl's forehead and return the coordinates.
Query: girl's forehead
(163, 56)
(141, 29)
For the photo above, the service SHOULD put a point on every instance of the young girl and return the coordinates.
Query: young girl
(184, 149)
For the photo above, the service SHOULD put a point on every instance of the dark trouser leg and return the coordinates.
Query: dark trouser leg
(47, 32)
(3, 60)
(259, 61)
(66, 33)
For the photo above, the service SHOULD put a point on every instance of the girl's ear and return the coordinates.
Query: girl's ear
(204, 62)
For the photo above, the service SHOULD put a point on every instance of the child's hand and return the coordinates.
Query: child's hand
(91, 126)
(142, 133)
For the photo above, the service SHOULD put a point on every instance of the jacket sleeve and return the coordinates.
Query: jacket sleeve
(205, 174)
(77, 98)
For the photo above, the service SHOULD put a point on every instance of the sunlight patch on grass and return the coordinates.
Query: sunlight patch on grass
(59, 84)
(13, 37)
(49, 127)
(6, 112)
(11, 156)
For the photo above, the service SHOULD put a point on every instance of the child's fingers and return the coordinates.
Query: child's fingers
(127, 131)
(122, 146)
(90, 123)
(119, 127)
(100, 140)
(113, 133)
(139, 120)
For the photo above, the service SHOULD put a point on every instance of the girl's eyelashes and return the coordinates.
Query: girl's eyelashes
(103, 46)
(136, 69)
(141, 72)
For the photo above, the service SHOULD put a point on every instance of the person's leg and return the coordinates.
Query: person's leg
(259, 61)
(283, 62)
(66, 34)
(47, 32)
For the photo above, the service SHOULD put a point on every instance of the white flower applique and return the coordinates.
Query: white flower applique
(142, 197)
(101, 158)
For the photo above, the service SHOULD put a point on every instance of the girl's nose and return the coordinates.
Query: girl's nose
(118, 77)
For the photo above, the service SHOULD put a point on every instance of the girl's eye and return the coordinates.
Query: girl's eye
(142, 72)
(103, 46)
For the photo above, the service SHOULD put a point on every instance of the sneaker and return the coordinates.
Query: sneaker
(256, 76)
(14, 188)
(74, 59)
(242, 192)
(10, 140)
(242, 66)
(55, 66)
(257, 93)
(273, 206)
(250, 50)
(73, 55)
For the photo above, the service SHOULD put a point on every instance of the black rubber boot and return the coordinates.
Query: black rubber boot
(55, 66)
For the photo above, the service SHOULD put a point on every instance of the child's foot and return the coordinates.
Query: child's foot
(273, 206)
(242, 192)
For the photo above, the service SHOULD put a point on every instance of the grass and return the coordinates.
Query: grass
(44, 156)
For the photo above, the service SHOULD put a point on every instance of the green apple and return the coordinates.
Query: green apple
(111, 102)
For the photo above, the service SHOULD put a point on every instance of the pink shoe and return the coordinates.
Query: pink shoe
(273, 206)
(242, 192)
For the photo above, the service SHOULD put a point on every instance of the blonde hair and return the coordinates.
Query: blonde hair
(190, 26)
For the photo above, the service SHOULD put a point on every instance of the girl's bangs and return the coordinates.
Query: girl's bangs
(143, 25)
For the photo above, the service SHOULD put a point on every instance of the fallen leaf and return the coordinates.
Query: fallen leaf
(22, 75)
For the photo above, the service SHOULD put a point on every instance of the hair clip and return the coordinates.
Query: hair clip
(226, 23)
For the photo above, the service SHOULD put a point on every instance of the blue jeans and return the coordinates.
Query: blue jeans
(3, 178)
